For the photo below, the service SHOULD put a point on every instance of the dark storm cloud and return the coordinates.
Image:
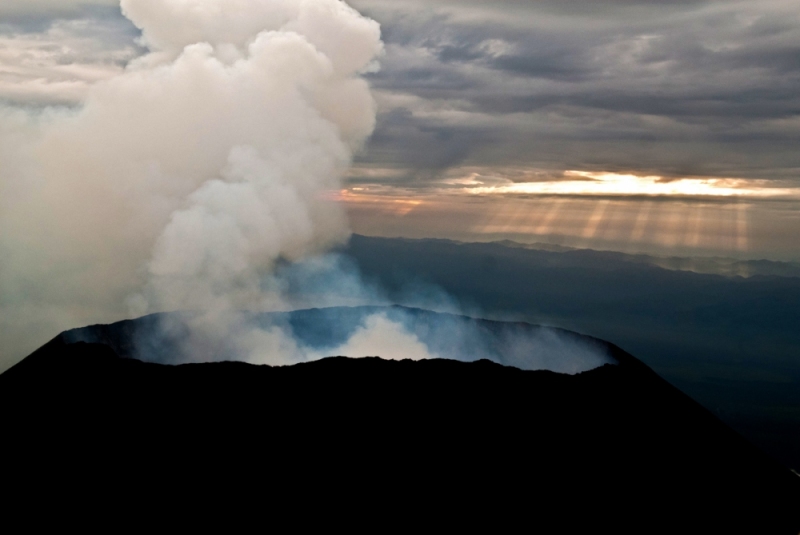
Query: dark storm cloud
(434, 147)
(662, 87)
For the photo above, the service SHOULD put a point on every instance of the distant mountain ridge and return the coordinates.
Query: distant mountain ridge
(709, 265)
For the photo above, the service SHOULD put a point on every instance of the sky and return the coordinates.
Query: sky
(643, 125)
(167, 154)
(655, 126)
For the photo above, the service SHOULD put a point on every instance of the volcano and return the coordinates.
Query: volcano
(472, 442)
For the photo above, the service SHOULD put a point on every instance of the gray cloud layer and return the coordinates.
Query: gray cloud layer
(669, 88)
(672, 88)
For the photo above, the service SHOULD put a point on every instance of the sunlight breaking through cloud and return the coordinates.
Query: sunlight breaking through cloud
(734, 225)
(603, 183)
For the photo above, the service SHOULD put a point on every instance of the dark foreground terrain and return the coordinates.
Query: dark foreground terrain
(438, 443)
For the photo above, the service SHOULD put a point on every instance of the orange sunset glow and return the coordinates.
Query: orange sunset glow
(604, 210)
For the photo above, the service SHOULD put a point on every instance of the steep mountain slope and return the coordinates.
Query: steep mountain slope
(470, 443)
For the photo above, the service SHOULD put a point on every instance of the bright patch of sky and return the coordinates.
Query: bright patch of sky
(588, 183)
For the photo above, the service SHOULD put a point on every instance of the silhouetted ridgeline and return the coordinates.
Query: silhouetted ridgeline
(469, 444)
(166, 338)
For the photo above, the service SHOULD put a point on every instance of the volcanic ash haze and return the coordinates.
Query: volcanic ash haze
(178, 184)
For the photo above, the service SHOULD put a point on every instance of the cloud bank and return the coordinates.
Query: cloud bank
(672, 89)
(688, 88)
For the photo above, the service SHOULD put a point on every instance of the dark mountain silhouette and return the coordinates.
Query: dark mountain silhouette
(439, 442)
(161, 338)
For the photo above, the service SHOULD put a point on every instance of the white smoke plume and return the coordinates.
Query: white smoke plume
(378, 336)
(180, 181)
(184, 182)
